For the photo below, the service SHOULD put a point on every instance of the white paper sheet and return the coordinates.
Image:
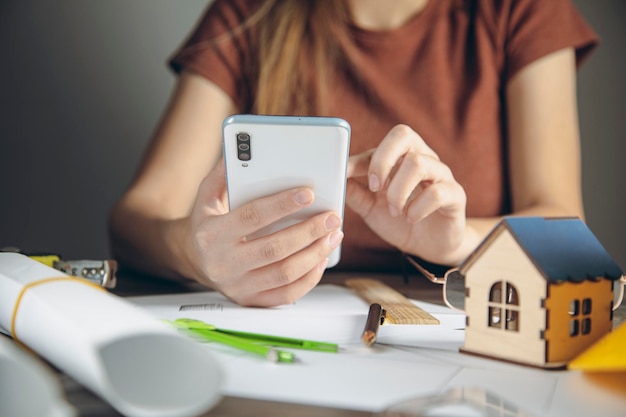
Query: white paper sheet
(117, 350)
(407, 361)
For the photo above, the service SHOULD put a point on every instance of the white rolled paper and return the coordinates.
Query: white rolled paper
(140, 365)
(28, 387)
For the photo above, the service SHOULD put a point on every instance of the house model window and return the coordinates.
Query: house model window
(503, 306)
(580, 312)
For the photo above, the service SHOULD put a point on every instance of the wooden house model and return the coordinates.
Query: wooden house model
(538, 291)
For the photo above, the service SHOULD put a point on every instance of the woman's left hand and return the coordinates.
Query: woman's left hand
(410, 198)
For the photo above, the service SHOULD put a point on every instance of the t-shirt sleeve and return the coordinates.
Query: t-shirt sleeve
(536, 28)
(217, 47)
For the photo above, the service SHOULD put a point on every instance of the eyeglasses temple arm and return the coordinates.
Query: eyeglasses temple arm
(431, 277)
(621, 283)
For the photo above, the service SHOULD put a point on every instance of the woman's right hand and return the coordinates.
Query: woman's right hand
(174, 219)
(267, 271)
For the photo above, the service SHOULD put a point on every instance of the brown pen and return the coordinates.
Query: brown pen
(375, 318)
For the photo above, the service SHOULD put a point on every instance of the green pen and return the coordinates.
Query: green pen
(211, 333)
(264, 339)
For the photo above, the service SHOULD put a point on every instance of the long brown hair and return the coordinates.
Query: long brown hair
(298, 53)
(292, 52)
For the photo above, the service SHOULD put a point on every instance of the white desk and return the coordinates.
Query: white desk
(408, 361)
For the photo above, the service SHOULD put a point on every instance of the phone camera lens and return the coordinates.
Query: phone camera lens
(244, 152)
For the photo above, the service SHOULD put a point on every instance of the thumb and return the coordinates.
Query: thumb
(359, 198)
(213, 186)
(358, 165)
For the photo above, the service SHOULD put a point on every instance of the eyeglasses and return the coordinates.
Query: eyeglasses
(454, 286)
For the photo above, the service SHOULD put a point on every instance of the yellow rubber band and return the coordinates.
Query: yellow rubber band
(39, 282)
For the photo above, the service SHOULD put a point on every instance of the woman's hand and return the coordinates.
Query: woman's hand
(410, 198)
(266, 271)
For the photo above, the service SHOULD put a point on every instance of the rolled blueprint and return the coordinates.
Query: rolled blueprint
(140, 365)
(28, 386)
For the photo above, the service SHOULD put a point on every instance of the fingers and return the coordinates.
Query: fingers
(400, 141)
(416, 173)
(262, 212)
(286, 281)
(402, 166)
(446, 198)
(280, 267)
(267, 270)
(287, 294)
(287, 242)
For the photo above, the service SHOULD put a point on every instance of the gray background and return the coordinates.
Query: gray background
(83, 83)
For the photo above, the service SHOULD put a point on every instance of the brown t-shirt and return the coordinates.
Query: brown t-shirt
(443, 73)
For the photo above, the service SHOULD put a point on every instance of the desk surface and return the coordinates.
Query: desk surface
(89, 405)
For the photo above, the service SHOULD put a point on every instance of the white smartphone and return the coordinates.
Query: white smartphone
(268, 154)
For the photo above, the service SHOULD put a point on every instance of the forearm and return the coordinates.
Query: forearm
(148, 244)
(483, 225)
(479, 227)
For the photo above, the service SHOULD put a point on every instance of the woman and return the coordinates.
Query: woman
(462, 111)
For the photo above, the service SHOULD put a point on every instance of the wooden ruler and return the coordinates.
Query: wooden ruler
(398, 309)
